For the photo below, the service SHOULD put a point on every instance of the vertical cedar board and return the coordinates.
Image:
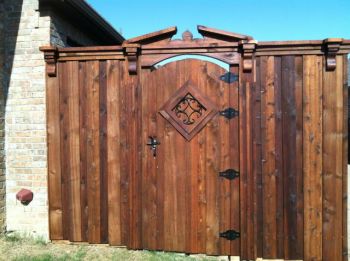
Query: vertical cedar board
(312, 158)
(345, 156)
(113, 153)
(54, 157)
(269, 160)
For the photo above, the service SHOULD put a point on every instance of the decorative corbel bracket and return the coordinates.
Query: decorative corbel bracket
(50, 56)
(131, 51)
(248, 49)
(332, 46)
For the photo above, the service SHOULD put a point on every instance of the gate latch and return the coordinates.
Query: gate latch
(229, 113)
(229, 174)
(230, 234)
(153, 143)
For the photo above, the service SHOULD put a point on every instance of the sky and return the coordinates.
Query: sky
(265, 20)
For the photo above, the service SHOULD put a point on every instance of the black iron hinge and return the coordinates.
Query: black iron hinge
(229, 77)
(229, 113)
(229, 174)
(230, 234)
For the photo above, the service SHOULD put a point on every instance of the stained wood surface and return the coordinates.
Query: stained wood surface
(289, 144)
(83, 143)
(288, 158)
(312, 157)
(64, 150)
(74, 150)
(345, 159)
(333, 121)
(270, 196)
(184, 201)
(113, 153)
(298, 201)
(54, 158)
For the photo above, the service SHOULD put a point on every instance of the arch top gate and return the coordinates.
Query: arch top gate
(187, 156)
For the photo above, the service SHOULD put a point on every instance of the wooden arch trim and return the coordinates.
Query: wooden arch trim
(149, 49)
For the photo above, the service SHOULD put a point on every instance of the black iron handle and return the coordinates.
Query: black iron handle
(153, 143)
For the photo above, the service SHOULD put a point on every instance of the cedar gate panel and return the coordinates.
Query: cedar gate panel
(171, 158)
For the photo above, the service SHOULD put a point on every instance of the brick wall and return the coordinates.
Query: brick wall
(2, 126)
(25, 125)
(24, 116)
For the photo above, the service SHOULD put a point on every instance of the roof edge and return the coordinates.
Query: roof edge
(88, 10)
(91, 14)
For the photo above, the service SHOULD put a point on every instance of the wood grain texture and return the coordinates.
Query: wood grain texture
(125, 148)
(269, 163)
(332, 154)
(243, 165)
(64, 149)
(54, 157)
(93, 154)
(132, 187)
(257, 141)
(234, 162)
(312, 157)
(279, 72)
(289, 144)
(299, 249)
(345, 158)
(251, 218)
(289, 157)
(74, 149)
(103, 150)
(113, 153)
(83, 153)
(184, 174)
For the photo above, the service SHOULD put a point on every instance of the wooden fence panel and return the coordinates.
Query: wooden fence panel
(292, 160)
(312, 145)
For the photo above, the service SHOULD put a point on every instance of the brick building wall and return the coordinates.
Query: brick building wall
(23, 111)
(25, 125)
(2, 126)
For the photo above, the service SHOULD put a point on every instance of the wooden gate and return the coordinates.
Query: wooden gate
(185, 202)
(192, 158)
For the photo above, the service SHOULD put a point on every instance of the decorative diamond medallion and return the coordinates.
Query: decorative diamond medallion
(188, 110)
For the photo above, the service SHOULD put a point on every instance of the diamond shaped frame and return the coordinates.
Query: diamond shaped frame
(188, 131)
